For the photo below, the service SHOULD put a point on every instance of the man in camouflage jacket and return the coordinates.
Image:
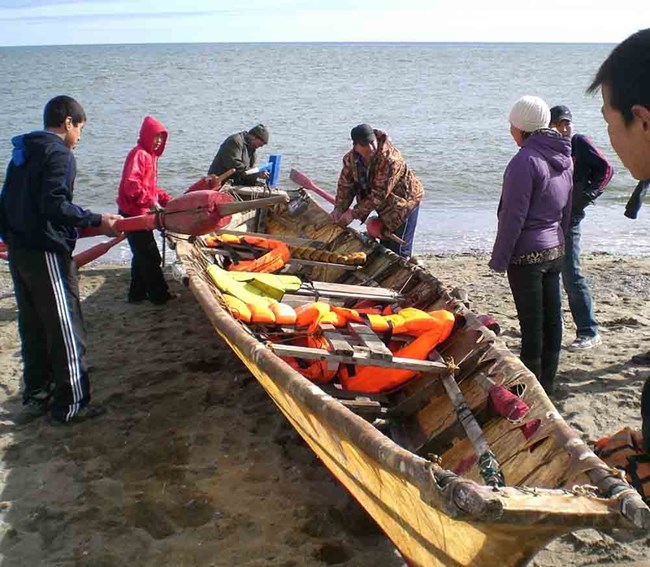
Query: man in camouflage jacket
(375, 173)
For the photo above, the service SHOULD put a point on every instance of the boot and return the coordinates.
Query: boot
(550, 362)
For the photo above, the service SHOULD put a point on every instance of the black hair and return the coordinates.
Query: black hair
(626, 73)
(59, 108)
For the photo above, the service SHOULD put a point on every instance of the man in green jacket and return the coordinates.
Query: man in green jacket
(238, 153)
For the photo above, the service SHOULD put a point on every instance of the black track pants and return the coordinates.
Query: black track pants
(52, 330)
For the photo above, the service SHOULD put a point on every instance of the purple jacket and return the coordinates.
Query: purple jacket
(535, 206)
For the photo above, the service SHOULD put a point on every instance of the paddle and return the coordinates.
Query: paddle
(301, 179)
(195, 213)
(96, 251)
(488, 465)
(211, 182)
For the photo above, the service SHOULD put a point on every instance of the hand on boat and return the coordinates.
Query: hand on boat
(345, 218)
(107, 226)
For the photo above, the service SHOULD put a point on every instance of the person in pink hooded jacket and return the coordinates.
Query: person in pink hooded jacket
(138, 194)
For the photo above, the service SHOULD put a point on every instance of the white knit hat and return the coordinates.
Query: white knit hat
(530, 113)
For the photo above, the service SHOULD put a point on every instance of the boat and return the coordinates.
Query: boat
(449, 475)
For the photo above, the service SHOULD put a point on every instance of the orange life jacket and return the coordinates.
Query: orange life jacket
(316, 371)
(273, 261)
(375, 379)
(624, 451)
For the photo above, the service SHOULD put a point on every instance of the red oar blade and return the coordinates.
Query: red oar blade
(301, 179)
(96, 251)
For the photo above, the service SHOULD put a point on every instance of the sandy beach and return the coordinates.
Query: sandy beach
(194, 466)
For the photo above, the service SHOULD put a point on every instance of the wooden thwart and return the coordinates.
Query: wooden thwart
(371, 341)
(360, 357)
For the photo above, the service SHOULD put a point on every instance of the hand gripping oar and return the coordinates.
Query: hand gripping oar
(301, 179)
(487, 462)
(195, 213)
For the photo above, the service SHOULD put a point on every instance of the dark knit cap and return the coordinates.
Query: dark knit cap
(260, 131)
(363, 134)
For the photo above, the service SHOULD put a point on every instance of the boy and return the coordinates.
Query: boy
(624, 81)
(40, 224)
(138, 194)
(591, 173)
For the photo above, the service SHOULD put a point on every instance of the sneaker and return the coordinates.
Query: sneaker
(32, 409)
(642, 359)
(84, 414)
(584, 343)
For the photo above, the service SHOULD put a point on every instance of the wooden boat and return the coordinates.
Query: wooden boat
(406, 455)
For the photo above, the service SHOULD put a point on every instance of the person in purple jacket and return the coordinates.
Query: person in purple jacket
(534, 213)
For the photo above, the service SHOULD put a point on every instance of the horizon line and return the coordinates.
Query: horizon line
(325, 42)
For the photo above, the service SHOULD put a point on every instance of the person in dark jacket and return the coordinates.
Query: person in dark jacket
(624, 82)
(238, 152)
(591, 173)
(40, 223)
(534, 213)
(139, 193)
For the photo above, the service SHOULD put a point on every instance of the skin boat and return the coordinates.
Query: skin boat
(450, 477)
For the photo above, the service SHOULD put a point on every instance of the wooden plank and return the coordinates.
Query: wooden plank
(371, 341)
(241, 218)
(336, 340)
(360, 358)
(356, 289)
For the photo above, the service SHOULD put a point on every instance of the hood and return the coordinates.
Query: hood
(25, 144)
(148, 131)
(555, 148)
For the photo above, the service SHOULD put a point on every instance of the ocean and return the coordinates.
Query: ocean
(445, 106)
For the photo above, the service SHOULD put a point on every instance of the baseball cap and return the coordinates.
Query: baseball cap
(560, 112)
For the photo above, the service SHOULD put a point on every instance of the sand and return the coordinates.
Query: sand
(194, 466)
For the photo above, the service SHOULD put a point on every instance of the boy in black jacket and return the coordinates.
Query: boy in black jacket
(591, 173)
(40, 224)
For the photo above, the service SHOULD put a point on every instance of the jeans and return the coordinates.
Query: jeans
(575, 284)
(407, 233)
(538, 299)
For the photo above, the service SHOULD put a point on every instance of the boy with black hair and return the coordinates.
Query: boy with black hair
(624, 81)
(40, 224)
(591, 173)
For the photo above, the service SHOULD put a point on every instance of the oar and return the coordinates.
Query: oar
(195, 213)
(487, 462)
(211, 182)
(96, 251)
(301, 179)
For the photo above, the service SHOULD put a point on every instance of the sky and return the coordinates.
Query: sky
(71, 22)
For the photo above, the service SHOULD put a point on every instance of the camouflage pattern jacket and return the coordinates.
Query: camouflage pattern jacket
(391, 189)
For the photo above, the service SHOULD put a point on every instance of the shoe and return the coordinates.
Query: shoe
(584, 343)
(32, 409)
(642, 359)
(138, 299)
(169, 297)
(84, 414)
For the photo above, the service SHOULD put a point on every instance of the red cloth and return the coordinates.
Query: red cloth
(138, 192)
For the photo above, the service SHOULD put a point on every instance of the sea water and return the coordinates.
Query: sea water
(445, 106)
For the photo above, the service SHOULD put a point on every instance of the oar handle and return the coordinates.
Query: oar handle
(226, 209)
